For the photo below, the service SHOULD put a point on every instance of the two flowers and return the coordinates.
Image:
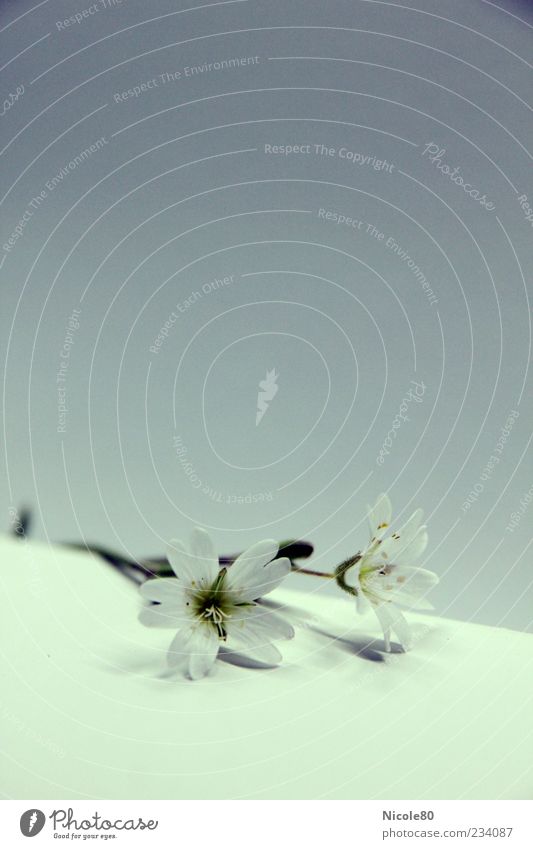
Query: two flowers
(211, 607)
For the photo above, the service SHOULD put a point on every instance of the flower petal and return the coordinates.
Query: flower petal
(188, 568)
(400, 548)
(178, 651)
(243, 572)
(163, 616)
(266, 579)
(361, 602)
(261, 621)
(393, 619)
(203, 652)
(196, 648)
(400, 584)
(178, 556)
(202, 548)
(411, 585)
(407, 532)
(254, 644)
(162, 589)
(254, 573)
(411, 553)
(379, 516)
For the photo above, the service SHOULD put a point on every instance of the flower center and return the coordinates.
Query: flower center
(372, 584)
(215, 615)
(214, 605)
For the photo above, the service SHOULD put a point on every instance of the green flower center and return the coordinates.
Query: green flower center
(215, 605)
(215, 615)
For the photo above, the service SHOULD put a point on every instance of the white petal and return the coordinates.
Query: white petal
(262, 621)
(202, 549)
(254, 573)
(178, 651)
(392, 619)
(254, 645)
(379, 516)
(400, 584)
(196, 648)
(400, 548)
(402, 629)
(361, 602)
(418, 604)
(384, 620)
(410, 553)
(163, 616)
(162, 589)
(416, 583)
(405, 535)
(178, 556)
(268, 578)
(191, 570)
(242, 573)
(203, 652)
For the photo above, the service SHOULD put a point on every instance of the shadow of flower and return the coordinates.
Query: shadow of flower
(365, 647)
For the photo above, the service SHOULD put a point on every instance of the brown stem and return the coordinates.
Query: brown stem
(313, 572)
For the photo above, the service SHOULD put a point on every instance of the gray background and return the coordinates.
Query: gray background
(182, 193)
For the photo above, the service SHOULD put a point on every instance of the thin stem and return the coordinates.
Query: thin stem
(158, 567)
(313, 572)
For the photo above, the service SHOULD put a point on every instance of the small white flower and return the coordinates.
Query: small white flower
(383, 576)
(212, 607)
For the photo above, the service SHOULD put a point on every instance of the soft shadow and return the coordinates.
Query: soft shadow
(169, 674)
(236, 659)
(363, 646)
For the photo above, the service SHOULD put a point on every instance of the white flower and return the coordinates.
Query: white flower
(383, 576)
(212, 606)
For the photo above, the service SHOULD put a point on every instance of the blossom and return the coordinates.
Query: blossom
(212, 607)
(383, 577)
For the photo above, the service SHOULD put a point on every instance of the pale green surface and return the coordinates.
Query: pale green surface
(86, 713)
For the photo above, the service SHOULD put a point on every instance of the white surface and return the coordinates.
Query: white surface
(87, 710)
